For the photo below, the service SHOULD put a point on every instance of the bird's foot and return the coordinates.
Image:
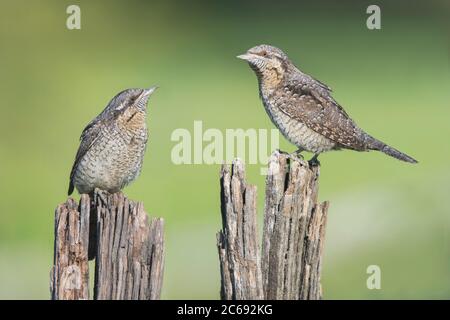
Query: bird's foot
(281, 152)
(294, 156)
(314, 161)
(298, 154)
(99, 193)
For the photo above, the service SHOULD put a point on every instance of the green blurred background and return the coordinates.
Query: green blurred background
(394, 82)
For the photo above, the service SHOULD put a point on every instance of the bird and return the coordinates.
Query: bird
(303, 108)
(112, 147)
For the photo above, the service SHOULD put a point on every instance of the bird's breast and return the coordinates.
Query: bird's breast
(113, 161)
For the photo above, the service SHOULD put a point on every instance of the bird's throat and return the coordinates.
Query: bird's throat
(269, 80)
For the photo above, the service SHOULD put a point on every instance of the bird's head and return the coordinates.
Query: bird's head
(267, 61)
(131, 98)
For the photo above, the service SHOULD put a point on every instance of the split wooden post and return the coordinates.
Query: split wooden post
(293, 235)
(69, 277)
(128, 248)
(238, 242)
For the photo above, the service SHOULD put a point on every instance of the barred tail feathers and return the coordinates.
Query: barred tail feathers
(375, 144)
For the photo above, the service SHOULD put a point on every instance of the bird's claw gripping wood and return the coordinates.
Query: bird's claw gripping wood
(295, 156)
(314, 161)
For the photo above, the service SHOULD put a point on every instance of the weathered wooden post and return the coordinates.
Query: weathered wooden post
(239, 253)
(128, 249)
(294, 230)
(69, 277)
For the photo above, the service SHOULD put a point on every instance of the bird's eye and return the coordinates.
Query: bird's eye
(264, 53)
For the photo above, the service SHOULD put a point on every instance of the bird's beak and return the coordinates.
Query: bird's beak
(143, 98)
(246, 56)
(148, 92)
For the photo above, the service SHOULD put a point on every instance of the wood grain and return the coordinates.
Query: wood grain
(69, 276)
(289, 265)
(237, 242)
(128, 248)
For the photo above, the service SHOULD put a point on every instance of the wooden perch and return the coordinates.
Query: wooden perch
(69, 277)
(129, 250)
(130, 254)
(238, 242)
(294, 229)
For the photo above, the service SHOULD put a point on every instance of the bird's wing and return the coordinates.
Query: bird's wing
(312, 104)
(88, 137)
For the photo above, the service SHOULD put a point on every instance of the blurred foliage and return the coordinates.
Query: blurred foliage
(394, 82)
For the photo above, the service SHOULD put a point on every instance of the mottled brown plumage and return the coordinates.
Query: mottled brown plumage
(303, 109)
(112, 145)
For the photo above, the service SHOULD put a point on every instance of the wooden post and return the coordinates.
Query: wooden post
(293, 234)
(294, 230)
(130, 253)
(129, 250)
(238, 242)
(69, 277)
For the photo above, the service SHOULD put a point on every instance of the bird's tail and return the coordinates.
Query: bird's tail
(375, 144)
(70, 188)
